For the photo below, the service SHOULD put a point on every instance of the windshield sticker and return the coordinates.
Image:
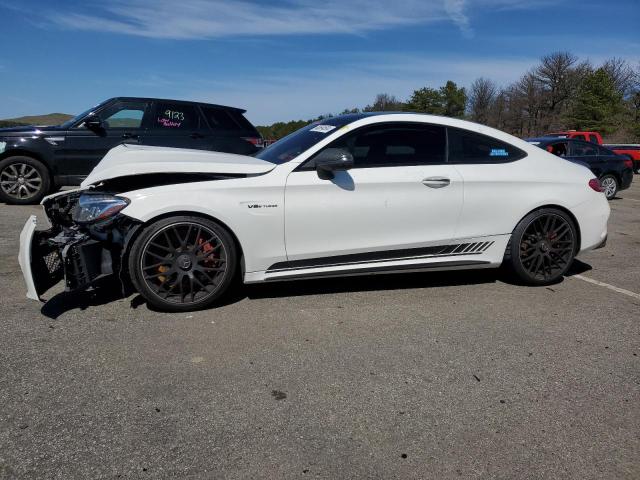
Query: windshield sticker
(498, 152)
(323, 128)
(3, 145)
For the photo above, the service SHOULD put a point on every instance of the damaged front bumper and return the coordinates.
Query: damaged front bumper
(79, 255)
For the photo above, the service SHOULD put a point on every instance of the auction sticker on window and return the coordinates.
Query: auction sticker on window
(323, 128)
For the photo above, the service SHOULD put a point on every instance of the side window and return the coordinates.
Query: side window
(470, 147)
(560, 149)
(393, 145)
(123, 115)
(604, 151)
(579, 137)
(583, 149)
(176, 116)
(593, 139)
(220, 119)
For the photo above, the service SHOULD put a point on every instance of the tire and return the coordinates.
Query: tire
(542, 247)
(609, 186)
(23, 180)
(194, 262)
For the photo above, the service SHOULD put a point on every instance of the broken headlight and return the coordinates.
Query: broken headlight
(93, 207)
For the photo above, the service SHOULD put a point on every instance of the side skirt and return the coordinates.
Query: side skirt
(310, 273)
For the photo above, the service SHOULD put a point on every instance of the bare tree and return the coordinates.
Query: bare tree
(482, 94)
(559, 74)
(384, 102)
(622, 75)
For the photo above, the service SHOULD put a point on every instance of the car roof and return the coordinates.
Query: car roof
(153, 99)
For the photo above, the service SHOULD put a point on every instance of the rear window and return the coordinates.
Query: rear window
(223, 119)
(470, 147)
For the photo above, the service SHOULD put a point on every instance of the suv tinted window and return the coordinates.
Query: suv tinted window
(223, 119)
(593, 139)
(123, 115)
(471, 147)
(393, 145)
(579, 137)
(176, 116)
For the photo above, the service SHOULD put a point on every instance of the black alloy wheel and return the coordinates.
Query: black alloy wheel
(543, 246)
(183, 264)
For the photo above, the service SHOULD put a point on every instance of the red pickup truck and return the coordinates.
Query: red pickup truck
(631, 151)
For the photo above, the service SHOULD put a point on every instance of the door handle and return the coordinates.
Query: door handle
(130, 136)
(436, 182)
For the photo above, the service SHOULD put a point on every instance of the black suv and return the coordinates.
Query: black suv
(36, 160)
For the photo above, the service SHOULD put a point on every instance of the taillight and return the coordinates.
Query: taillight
(257, 141)
(628, 163)
(594, 183)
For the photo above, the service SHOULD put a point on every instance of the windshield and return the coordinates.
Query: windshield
(302, 140)
(80, 116)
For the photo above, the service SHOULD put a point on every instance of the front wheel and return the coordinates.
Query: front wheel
(183, 263)
(542, 247)
(609, 186)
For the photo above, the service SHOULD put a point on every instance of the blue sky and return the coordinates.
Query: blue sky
(284, 60)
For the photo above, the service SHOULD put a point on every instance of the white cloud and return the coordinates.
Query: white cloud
(198, 19)
(456, 9)
(202, 19)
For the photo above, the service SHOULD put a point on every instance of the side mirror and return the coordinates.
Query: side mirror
(331, 160)
(93, 122)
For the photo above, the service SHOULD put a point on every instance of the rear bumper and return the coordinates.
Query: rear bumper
(627, 178)
(592, 217)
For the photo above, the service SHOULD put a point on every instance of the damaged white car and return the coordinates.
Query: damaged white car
(351, 195)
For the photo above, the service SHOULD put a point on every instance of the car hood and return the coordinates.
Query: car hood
(128, 160)
(28, 130)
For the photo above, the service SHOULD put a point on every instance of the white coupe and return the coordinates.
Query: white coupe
(350, 195)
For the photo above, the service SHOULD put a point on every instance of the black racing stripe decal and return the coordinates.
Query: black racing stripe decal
(366, 270)
(382, 256)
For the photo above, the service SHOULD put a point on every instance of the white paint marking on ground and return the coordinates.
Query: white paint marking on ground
(606, 285)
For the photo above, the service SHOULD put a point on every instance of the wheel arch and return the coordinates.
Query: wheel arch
(141, 226)
(573, 218)
(17, 152)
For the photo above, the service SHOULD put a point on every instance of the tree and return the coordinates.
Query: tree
(597, 104)
(385, 103)
(621, 73)
(427, 100)
(454, 99)
(481, 98)
(559, 75)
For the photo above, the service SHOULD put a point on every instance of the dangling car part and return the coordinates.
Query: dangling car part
(350, 195)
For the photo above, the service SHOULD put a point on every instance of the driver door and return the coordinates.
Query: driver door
(400, 194)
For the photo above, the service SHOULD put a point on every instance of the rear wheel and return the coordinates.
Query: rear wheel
(183, 263)
(609, 186)
(542, 247)
(23, 180)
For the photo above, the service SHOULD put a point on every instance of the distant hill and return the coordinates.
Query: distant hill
(48, 119)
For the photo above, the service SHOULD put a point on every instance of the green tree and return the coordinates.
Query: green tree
(427, 100)
(454, 99)
(597, 104)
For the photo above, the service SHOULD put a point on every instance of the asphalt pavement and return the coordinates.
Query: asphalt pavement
(432, 375)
